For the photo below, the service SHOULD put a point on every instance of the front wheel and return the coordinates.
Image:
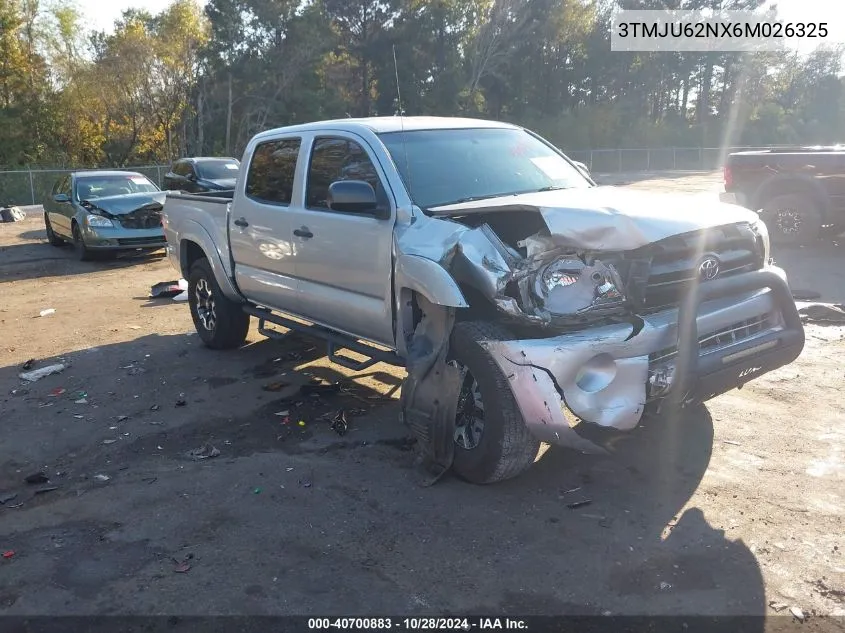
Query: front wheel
(792, 219)
(220, 322)
(492, 442)
(83, 253)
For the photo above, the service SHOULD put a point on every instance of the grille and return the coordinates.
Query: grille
(141, 241)
(674, 262)
(724, 337)
(141, 220)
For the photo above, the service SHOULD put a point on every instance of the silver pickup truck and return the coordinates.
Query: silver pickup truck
(526, 303)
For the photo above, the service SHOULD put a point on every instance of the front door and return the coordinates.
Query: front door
(343, 259)
(60, 213)
(260, 225)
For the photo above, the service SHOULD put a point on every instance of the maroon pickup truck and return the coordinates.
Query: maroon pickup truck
(799, 190)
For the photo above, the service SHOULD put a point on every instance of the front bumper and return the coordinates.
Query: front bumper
(123, 239)
(726, 333)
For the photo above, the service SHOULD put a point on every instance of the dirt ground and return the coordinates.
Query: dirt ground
(728, 509)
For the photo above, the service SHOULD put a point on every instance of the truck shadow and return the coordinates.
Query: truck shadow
(637, 547)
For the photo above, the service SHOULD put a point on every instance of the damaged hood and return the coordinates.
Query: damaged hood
(128, 203)
(610, 218)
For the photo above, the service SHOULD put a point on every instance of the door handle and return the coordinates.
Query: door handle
(241, 222)
(303, 232)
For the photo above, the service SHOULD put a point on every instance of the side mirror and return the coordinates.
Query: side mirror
(582, 168)
(61, 197)
(353, 196)
(192, 177)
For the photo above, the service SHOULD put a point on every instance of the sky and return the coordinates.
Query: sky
(101, 14)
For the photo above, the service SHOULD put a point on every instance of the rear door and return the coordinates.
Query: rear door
(260, 225)
(61, 212)
(344, 260)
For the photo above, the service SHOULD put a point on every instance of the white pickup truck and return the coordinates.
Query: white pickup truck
(525, 302)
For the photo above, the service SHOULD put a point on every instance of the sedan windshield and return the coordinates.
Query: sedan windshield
(441, 167)
(91, 187)
(217, 169)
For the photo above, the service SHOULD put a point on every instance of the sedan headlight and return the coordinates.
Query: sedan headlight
(764, 246)
(569, 286)
(98, 221)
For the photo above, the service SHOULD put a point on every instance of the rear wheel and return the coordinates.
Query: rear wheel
(54, 239)
(792, 219)
(220, 322)
(83, 253)
(492, 442)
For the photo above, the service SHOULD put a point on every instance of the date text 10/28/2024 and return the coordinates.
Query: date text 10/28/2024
(417, 624)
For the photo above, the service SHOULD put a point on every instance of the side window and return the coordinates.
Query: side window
(271, 171)
(335, 159)
(179, 168)
(64, 187)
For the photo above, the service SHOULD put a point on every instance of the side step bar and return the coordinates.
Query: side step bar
(334, 341)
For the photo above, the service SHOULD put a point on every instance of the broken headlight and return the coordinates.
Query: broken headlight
(761, 233)
(570, 286)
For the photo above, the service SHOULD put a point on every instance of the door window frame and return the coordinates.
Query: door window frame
(296, 166)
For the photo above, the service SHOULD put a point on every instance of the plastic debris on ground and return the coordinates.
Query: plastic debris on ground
(81, 401)
(168, 289)
(797, 613)
(28, 364)
(183, 566)
(37, 478)
(8, 554)
(778, 606)
(38, 374)
(183, 296)
(180, 401)
(204, 452)
(47, 312)
(578, 504)
(41, 491)
(282, 414)
(155, 407)
(122, 418)
(665, 585)
(55, 393)
(102, 477)
(109, 441)
(339, 423)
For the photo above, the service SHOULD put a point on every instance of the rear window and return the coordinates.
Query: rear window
(218, 169)
(271, 171)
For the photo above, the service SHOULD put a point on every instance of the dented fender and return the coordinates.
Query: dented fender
(194, 232)
(429, 279)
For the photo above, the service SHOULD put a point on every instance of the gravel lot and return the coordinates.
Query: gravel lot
(730, 509)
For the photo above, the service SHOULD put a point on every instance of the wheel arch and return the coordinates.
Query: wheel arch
(793, 185)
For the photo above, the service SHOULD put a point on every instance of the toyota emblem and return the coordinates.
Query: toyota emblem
(708, 269)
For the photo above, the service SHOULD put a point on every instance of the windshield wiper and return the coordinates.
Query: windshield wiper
(551, 188)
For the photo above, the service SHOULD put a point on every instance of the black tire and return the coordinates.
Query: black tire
(54, 239)
(792, 219)
(83, 253)
(229, 324)
(506, 447)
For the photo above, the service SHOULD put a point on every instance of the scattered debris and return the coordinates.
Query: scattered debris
(778, 606)
(41, 491)
(168, 289)
(282, 414)
(38, 374)
(102, 477)
(55, 393)
(19, 392)
(7, 497)
(28, 364)
(134, 327)
(256, 491)
(8, 554)
(301, 423)
(81, 401)
(79, 417)
(566, 492)
(579, 504)
(731, 442)
(204, 452)
(109, 441)
(47, 312)
(180, 401)
(155, 407)
(122, 418)
(665, 585)
(305, 483)
(339, 423)
(797, 613)
(183, 566)
(150, 480)
(289, 468)
(37, 478)
(275, 386)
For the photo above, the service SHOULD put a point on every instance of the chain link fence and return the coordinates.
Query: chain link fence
(31, 186)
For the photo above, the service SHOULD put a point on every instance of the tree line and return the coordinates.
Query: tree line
(202, 81)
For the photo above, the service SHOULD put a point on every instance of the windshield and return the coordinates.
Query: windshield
(217, 170)
(101, 186)
(457, 165)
